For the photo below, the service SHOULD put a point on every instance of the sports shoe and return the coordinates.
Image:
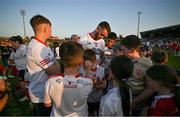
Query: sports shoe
(24, 99)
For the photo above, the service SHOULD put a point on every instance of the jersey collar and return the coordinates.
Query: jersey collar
(41, 41)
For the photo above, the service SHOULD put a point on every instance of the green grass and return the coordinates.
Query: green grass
(174, 61)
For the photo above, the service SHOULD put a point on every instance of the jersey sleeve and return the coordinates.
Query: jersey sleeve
(83, 41)
(45, 58)
(47, 99)
(54, 90)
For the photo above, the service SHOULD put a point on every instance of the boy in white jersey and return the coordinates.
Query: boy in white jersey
(95, 72)
(40, 63)
(95, 40)
(68, 92)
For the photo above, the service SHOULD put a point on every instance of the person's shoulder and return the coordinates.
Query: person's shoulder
(55, 77)
(84, 80)
(35, 43)
(142, 61)
(101, 40)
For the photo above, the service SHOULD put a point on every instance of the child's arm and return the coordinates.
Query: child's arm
(3, 102)
(47, 105)
(141, 97)
(3, 88)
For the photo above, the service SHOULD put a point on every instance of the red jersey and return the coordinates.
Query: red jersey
(163, 105)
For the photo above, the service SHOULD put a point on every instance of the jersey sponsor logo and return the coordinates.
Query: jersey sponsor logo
(59, 80)
(139, 72)
(70, 85)
(83, 82)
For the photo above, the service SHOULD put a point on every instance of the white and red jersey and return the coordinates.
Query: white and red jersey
(39, 58)
(19, 57)
(111, 104)
(68, 94)
(89, 43)
(163, 105)
(96, 74)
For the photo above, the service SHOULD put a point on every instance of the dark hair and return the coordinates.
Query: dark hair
(122, 68)
(164, 74)
(131, 42)
(37, 20)
(105, 25)
(143, 49)
(112, 35)
(159, 56)
(16, 38)
(89, 54)
(71, 53)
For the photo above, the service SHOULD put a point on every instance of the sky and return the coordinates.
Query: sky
(82, 16)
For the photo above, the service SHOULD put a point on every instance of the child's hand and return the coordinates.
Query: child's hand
(100, 84)
(10, 62)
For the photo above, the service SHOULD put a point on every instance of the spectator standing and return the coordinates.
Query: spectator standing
(18, 57)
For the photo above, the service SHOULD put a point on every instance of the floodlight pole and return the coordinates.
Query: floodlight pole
(23, 13)
(139, 14)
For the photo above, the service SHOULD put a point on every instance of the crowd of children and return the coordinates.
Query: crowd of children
(94, 78)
